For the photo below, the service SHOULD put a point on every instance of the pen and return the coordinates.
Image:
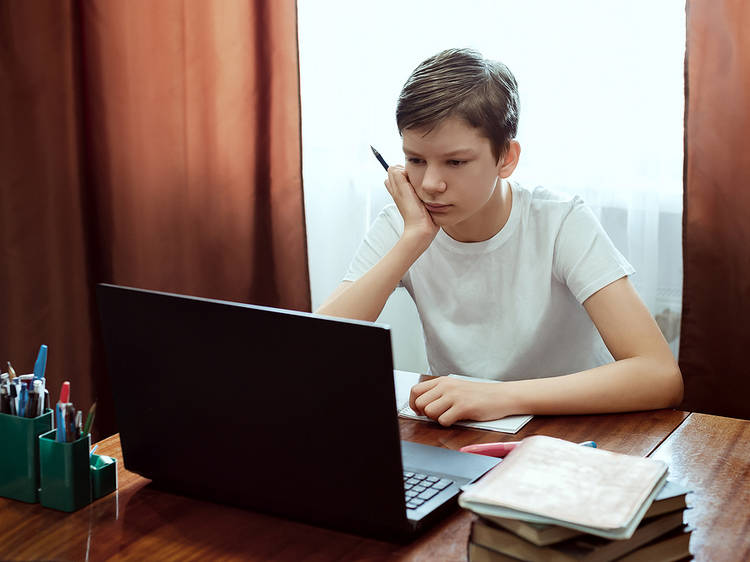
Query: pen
(70, 420)
(41, 362)
(380, 158)
(39, 395)
(13, 405)
(503, 448)
(23, 399)
(79, 423)
(4, 400)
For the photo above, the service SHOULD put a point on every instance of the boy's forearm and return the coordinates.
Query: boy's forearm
(638, 383)
(366, 297)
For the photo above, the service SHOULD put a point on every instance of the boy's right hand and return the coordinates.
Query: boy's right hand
(417, 220)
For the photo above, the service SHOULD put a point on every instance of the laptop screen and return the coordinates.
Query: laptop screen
(279, 411)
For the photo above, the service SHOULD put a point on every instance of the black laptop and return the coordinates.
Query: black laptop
(284, 412)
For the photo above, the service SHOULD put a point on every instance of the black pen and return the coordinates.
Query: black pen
(380, 158)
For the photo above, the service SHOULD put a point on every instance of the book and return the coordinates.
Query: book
(670, 498)
(674, 546)
(552, 481)
(669, 548)
(509, 424)
(587, 548)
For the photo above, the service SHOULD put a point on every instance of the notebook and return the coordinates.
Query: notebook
(242, 404)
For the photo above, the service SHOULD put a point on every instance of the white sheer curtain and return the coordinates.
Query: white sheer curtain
(602, 99)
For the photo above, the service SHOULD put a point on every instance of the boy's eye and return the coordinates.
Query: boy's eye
(414, 160)
(456, 163)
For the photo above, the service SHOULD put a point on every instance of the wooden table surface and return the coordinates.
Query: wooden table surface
(708, 453)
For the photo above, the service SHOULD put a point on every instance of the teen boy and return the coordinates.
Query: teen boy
(510, 284)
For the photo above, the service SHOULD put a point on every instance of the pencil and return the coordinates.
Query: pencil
(89, 420)
(380, 158)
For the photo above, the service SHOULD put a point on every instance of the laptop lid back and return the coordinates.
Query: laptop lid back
(278, 411)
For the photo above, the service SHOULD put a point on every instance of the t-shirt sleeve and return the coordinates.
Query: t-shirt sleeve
(384, 232)
(585, 259)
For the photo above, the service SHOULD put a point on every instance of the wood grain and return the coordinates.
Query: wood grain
(711, 456)
(139, 522)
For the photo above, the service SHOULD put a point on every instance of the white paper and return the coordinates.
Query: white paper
(404, 380)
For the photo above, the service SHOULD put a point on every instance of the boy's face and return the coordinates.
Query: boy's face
(454, 173)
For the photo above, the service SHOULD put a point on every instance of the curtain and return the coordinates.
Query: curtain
(601, 86)
(151, 144)
(715, 334)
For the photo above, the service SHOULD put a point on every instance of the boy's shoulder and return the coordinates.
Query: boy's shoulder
(542, 202)
(541, 196)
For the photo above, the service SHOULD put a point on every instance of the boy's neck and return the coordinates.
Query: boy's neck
(489, 220)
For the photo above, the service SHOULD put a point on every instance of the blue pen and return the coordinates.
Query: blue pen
(23, 399)
(59, 423)
(41, 362)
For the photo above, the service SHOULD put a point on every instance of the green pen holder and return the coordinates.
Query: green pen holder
(19, 455)
(103, 475)
(64, 472)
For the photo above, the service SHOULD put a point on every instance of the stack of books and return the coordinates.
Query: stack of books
(551, 500)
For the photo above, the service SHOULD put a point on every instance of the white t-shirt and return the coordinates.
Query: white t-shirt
(510, 307)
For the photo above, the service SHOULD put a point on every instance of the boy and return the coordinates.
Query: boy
(510, 284)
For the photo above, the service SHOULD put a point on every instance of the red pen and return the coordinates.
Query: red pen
(501, 449)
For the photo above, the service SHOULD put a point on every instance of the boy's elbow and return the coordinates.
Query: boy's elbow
(674, 387)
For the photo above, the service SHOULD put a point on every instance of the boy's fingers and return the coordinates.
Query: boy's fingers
(427, 398)
(449, 417)
(418, 390)
(437, 408)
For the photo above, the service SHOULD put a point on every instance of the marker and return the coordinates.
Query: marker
(380, 158)
(60, 411)
(501, 449)
(41, 362)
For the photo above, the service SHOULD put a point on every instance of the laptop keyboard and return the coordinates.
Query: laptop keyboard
(418, 488)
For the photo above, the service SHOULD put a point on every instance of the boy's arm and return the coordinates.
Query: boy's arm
(644, 375)
(365, 298)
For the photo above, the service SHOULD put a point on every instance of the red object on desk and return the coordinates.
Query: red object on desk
(490, 449)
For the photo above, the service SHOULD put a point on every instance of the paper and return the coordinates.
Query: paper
(404, 380)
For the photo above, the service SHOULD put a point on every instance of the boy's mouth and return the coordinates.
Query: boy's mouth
(435, 207)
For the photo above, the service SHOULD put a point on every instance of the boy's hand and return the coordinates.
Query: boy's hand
(417, 221)
(448, 400)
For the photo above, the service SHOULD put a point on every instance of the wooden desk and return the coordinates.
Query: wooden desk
(140, 523)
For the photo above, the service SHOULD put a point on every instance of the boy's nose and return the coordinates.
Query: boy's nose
(432, 182)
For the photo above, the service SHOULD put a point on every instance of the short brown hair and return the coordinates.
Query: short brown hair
(462, 83)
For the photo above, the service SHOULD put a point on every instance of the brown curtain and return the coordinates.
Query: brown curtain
(715, 339)
(152, 144)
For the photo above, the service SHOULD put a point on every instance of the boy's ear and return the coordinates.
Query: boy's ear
(509, 161)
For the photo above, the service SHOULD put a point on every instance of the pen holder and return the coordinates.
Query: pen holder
(19, 455)
(64, 472)
(103, 475)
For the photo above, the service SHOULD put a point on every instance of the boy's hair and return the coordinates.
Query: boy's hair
(462, 83)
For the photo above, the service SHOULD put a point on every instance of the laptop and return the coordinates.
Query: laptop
(287, 413)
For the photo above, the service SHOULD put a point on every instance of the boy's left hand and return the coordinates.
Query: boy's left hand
(448, 400)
